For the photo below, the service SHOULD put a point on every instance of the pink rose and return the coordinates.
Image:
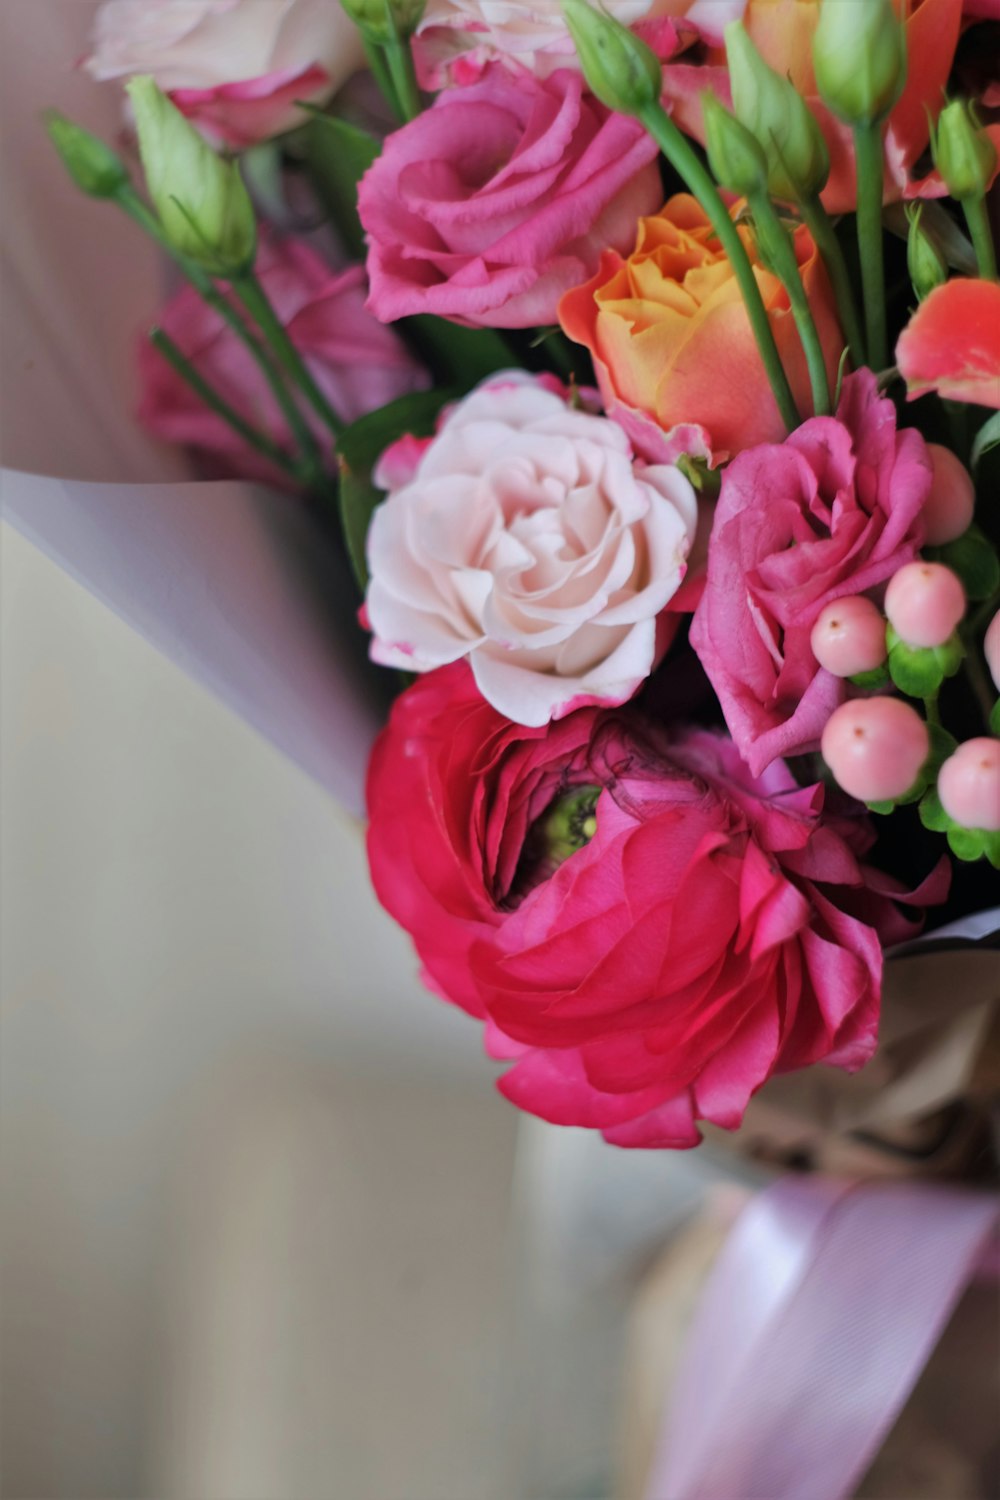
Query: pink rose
(646, 931)
(495, 201)
(238, 68)
(359, 364)
(526, 537)
(835, 509)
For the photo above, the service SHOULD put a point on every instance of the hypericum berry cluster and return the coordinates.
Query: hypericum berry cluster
(879, 748)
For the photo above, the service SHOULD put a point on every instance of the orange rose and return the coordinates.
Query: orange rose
(952, 343)
(674, 352)
(782, 31)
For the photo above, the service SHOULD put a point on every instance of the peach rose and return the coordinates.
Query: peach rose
(674, 352)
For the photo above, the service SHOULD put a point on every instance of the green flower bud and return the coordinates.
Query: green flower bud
(771, 107)
(620, 69)
(93, 166)
(381, 20)
(859, 56)
(203, 206)
(963, 153)
(927, 266)
(735, 156)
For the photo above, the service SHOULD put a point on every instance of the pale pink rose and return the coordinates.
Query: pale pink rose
(238, 68)
(491, 204)
(836, 509)
(531, 541)
(359, 364)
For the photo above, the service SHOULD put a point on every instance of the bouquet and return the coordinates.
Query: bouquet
(644, 368)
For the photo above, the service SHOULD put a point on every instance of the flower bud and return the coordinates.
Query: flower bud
(735, 156)
(798, 162)
(620, 69)
(859, 57)
(381, 20)
(93, 166)
(203, 206)
(926, 264)
(963, 152)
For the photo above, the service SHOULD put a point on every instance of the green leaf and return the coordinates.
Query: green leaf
(943, 745)
(457, 356)
(878, 677)
(991, 848)
(883, 808)
(359, 448)
(338, 155)
(986, 438)
(973, 557)
(932, 814)
(995, 718)
(966, 843)
(915, 670)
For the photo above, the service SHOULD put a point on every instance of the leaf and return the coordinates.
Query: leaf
(338, 155)
(915, 670)
(932, 814)
(883, 808)
(878, 677)
(359, 448)
(986, 438)
(995, 718)
(457, 356)
(973, 557)
(966, 843)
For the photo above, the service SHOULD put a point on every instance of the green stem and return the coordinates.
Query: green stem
(868, 155)
(311, 460)
(779, 253)
(932, 711)
(978, 220)
(821, 228)
(975, 672)
(687, 163)
(262, 444)
(399, 57)
(250, 292)
(375, 58)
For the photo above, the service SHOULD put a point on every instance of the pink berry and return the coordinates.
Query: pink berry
(875, 747)
(991, 649)
(849, 636)
(924, 603)
(949, 506)
(969, 784)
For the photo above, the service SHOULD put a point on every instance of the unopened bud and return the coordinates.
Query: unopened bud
(620, 69)
(926, 264)
(859, 57)
(735, 156)
(93, 166)
(963, 152)
(771, 107)
(202, 203)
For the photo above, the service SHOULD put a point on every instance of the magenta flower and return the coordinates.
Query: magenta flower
(835, 509)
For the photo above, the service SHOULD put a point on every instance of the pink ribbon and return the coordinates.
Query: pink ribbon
(821, 1312)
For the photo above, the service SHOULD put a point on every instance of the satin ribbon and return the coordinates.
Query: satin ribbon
(821, 1312)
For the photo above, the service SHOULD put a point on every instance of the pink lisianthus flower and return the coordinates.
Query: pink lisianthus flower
(526, 537)
(238, 68)
(646, 932)
(492, 203)
(835, 509)
(358, 364)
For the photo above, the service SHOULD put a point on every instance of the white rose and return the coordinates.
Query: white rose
(237, 67)
(526, 537)
(531, 32)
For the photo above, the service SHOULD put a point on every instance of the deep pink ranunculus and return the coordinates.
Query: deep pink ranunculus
(646, 931)
(835, 509)
(491, 204)
(359, 364)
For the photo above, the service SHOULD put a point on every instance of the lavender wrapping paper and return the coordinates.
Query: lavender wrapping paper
(237, 586)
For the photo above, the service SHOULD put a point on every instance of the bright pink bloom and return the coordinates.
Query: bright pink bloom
(491, 204)
(836, 509)
(952, 343)
(358, 364)
(713, 930)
